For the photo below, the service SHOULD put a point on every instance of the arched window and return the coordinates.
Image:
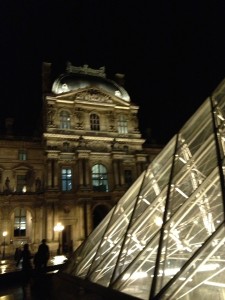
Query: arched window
(64, 120)
(20, 222)
(122, 125)
(99, 178)
(66, 176)
(94, 122)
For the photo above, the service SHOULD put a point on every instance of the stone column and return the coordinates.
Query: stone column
(87, 172)
(139, 168)
(121, 173)
(49, 173)
(85, 220)
(35, 226)
(53, 173)
(56, 174)
(49, 222)
(89, 218)
(116, 172)
(80, 172)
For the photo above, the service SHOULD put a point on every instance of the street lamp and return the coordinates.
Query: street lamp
(59, 228)
(4, 234)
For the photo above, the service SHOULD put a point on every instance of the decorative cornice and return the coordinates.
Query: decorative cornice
(61, 136)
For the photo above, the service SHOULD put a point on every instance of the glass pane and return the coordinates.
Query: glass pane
(165, 237)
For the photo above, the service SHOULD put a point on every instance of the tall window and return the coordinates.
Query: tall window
(20, 222)
(122, 125)
(94, 122)
(128, 177)
(21, 183)
(22, 154)
(66, 179)
(64, 120)
(66, 147)
(99, 178)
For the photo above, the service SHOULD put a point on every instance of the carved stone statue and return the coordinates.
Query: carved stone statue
(38, 184)
(7, 184)
(51, 113)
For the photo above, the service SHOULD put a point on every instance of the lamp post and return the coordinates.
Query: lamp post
(4, 234)
(59, 228)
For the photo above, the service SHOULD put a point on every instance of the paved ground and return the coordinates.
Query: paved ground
(50, 286)
(40, 289)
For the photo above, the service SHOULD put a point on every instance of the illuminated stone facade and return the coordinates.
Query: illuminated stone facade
(90, 152)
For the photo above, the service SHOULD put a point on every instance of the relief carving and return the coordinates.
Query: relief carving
(80, 116)
(81, 143)
(134, 121)
(93, 95)
(111, 118)
(98, 146)
(50, 115)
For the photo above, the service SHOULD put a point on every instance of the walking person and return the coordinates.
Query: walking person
(17, 254)
(41, 257)
(26, 257)
(40, 262)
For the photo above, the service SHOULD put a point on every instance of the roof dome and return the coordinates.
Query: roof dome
(81, 77)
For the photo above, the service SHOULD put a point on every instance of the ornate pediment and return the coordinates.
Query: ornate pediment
(93, 95)
(90, 95)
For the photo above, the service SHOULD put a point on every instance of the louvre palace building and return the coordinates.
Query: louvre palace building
(89, 153)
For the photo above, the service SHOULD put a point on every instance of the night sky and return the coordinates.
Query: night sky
(171, 52)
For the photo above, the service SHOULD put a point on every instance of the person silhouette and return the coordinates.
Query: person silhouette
(27, 268)
(17, 254)
(41, 257)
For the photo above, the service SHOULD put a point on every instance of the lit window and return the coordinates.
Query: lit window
(99, 178)
(122, 125)
(65, 88)
(20, 222)
(66, 179)
(64, 120)
(117, 93)
(94, 122)
(22, 154)
(21, 183)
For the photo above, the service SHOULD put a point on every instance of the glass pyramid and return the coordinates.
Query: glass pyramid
(165, 238)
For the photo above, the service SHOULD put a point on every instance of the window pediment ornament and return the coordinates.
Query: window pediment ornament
(93, 95)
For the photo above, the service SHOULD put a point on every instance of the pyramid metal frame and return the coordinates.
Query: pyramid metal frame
(165, 238)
